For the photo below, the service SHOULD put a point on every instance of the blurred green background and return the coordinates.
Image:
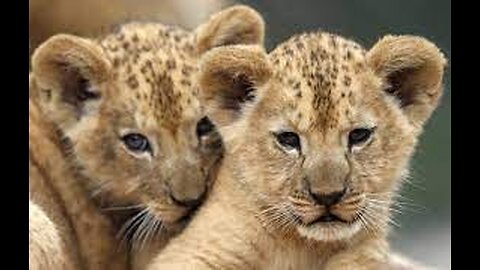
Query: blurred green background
(424, 225)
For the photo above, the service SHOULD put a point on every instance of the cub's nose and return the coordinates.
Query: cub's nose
(188, 186)
(189, 202)
(328, 199)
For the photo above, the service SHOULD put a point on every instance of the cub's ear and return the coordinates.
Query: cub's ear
(235, 25)
(66, 73)
(413, 69)
(230, 78)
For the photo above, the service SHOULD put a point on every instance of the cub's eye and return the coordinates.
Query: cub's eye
(136, 142)
(289, 140)
(359, 135)
(204, 127)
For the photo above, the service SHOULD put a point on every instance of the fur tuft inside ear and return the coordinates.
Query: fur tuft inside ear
(412, 68)
(235, 25)
(230, 77)
(61, 51)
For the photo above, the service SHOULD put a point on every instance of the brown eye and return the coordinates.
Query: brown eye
(289, 140)
(359, 135)
(204, 127)
(136, 142)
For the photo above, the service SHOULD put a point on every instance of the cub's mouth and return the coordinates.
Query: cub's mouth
(327, 218)
(327, 222)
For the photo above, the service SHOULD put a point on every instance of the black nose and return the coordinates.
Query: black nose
(190, 203)
(330, 198)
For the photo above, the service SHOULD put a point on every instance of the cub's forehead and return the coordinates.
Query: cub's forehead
(153, 68)
(324, 76)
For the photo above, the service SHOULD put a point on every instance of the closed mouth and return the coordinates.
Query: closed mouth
(327, 218)
(330, 218)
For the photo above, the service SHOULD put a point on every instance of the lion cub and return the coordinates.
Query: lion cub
(318, 135)
(118, 141)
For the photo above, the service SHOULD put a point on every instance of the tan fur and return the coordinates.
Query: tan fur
(264, 209)
(86, 186)
(94, 17)
(45, 242)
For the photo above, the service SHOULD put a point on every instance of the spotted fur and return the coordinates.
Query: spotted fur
(319, 200)
(105, 200)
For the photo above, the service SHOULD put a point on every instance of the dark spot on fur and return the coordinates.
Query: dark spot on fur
(162, 33)
(299, 45)
(349, 55)
(335, 69)
(186, 71)
(135, 38)
(333, 41)
(185, 82)
(171, 64)
(334, 58)
(288, 50)
(347, 81)
(143, 69)
(296, 85)
(116, 62)
(132, 82)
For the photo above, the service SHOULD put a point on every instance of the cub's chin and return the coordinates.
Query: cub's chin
(329, 229)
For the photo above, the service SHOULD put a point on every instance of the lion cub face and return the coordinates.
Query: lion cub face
(128, 109)
(318, 134)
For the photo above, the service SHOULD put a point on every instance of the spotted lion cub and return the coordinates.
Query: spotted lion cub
(118, 141)
(318, 136)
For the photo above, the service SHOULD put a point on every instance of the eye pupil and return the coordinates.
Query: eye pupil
(136, 142)
(204, 127)
(289, 140)
(359, 135)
